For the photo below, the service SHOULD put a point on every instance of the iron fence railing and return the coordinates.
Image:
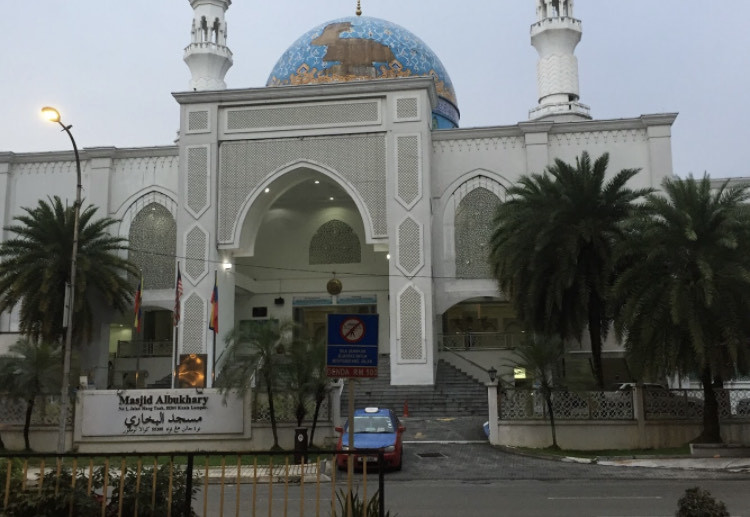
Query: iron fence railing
(480, 340)
(144, 349)
(658, 404)
(180, 484)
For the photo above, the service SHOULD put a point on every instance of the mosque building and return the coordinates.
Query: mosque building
(343, 185)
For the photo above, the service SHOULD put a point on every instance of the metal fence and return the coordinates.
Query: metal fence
(144, 349)
(658, 404)
(480, 340)
(210, 483)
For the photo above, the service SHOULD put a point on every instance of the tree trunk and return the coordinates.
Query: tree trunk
(318, 403)
(272, 413)
(711, 427)
(595, 336)
(548, 399)
(27, 423)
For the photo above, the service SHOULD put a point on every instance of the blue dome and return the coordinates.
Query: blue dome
(359, 48)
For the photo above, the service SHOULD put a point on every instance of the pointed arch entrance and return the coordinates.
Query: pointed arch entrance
(299, 230)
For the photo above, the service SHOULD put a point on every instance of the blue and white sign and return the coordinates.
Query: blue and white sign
(352, 345)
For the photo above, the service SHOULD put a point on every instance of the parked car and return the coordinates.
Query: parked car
(660, 401)
(374, 428)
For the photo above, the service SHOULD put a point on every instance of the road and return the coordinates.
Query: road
(477, 480)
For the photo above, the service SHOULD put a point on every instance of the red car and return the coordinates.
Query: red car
(374, 428)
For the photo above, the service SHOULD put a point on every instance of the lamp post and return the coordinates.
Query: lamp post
(53, 115)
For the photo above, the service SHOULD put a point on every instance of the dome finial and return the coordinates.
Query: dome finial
(359, 8)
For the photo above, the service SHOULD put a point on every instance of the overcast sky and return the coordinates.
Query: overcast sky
(110, 66)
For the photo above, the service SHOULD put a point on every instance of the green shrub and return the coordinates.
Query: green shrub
(700, 503)
(143, 495)
(54, 499)
(360, 508)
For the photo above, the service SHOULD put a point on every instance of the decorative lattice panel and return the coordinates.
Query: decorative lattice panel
(473, 227)
(410, 249)
(197, 179)
(46, 411)
(335, 242)
(303, 115)
(197, 120)
(153, 242)
(196, 253)
(245, 164)
(194, 322)
(411, 324)
(587, 138)
(408, 170)
(407, 108)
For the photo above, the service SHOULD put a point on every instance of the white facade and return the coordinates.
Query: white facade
(393, 215)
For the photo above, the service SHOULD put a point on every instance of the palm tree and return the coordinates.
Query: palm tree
(35, 266)
(552, 246)
(30, 370)
(252, 349)
(540, 356)
(683, 288)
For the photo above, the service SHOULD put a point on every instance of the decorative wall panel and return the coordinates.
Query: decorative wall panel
(197, 180)
(153, 243)
(407, 108)
(196, 254)
(335, 242)
(409, 185)
(410, 248)
(473, 227)
(411, 324)
(622, 136)
(198, 121)
(245, 164)
(304, 115)
(194, 322)
(478, 144)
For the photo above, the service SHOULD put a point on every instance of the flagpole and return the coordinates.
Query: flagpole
(215, 324)
(176, 321)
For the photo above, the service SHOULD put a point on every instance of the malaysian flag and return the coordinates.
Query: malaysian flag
(213, 320)
(177, 296)
(138, 310)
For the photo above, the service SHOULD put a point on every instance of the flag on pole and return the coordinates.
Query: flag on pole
(138, 310)
(213, 322)
(177, 296)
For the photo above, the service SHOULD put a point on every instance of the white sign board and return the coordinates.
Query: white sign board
(160, 412)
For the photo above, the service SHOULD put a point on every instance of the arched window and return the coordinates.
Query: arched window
(153, 244)
(335, 242)
(473, 229)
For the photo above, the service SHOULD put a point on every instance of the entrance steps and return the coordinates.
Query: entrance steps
(454, 394)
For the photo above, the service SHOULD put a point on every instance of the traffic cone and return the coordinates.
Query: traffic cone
(406, 409)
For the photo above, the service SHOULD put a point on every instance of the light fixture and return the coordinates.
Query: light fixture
(330, 198)
(492, 372)
(317, 182)
(267, 190)
(388, 256)
(53, 115)
(227, 266)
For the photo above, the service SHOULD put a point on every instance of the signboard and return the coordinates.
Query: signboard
(160, 412)
(352, 345)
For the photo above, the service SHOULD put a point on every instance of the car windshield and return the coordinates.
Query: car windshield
(372, 424)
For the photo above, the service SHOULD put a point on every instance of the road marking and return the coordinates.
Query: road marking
(445, 442)
(584, 498)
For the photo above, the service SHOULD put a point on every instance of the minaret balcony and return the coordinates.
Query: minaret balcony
(563, 22)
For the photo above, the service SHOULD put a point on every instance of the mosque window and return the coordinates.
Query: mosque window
(473, 229)
(153, 244)
(335, 242)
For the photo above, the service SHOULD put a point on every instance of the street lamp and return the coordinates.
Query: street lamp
(53, 115)
(492, 372)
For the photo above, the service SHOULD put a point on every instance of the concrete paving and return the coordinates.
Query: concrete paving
(433, 437)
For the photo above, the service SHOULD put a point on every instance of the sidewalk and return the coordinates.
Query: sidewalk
(686, 463)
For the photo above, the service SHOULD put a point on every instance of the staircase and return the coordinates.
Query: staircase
(454, 393)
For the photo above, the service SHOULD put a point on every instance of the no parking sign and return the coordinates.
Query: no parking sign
(352, 345)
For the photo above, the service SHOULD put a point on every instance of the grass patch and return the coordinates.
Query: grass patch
(628, 453)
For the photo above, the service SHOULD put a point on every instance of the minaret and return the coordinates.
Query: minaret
(208, 56)
(555, 36)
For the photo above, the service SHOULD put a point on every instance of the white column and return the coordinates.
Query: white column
(493, 413)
